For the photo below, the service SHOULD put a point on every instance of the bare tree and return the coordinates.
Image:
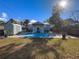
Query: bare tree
(75, 15)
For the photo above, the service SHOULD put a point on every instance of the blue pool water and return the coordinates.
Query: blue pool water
(38, 35)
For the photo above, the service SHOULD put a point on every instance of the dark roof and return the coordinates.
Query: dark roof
(13, 21)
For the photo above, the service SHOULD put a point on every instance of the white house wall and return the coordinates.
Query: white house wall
(47, 27)
(12, 29)
(17, 28)
(34, 28)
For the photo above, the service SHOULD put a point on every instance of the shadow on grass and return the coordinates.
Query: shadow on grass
(34, 50)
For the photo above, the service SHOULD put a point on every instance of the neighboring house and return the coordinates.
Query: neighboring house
(12, 27)
(1, 30)
(73, 29)
(39, 27)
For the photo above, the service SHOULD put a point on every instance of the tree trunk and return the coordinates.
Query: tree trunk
(64, 36)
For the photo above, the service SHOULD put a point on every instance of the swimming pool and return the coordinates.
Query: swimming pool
(37, 35)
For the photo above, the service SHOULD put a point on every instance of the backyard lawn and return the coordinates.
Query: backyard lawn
(7, 41)
(67, 49)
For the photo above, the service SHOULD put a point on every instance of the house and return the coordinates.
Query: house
(1, 28)
(12, 27)
(39, 27)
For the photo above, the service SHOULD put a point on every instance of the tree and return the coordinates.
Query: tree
(67, 22)
(2, 22)
(75, 15)
(55, 19)
(26, 22)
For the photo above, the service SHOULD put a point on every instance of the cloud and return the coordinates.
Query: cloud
(33, 21)
(4, 16)
(3, 19)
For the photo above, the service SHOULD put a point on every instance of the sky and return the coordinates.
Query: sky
(39, 10)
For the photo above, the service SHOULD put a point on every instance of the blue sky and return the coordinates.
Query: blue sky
(32, 9)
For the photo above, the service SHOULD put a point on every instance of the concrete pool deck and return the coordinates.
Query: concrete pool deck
(56, 36)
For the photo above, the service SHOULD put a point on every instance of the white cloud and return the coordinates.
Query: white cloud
(33, 21)
(3, 19)
(4, 16)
